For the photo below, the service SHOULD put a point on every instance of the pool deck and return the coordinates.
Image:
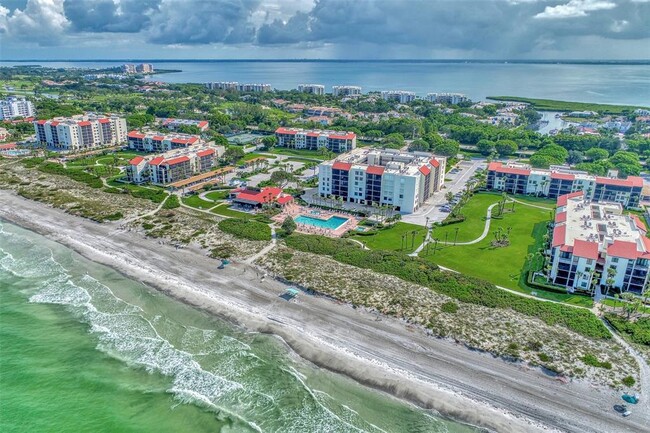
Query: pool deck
(294, 210)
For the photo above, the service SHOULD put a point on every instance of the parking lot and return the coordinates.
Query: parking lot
(455, 180)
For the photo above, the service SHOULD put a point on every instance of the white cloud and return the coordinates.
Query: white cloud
(575, 8)
(619, 25)
(42, 21)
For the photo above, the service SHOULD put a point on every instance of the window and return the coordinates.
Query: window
(590, 262)
(614, 259)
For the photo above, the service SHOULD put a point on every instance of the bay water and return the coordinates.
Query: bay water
(627, 84)
(85, 349)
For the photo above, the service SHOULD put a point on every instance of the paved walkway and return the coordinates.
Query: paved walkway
(267, 249)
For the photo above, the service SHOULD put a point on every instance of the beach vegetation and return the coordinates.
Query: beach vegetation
(628, 381)
(246, 229)
(449, 307)
(460, 287)
(592, 361)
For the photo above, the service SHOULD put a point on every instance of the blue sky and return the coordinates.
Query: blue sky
(343, 29)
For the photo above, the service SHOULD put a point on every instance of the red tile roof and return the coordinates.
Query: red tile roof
(137, 160)
(54, 123)
(349, 136)
(205, 152)
(177, 160)
(135, 134)
(158, 137)
(312, 134)
(266, 195)
(631, 181)
(285, 199)
(425, 170)
(346, 166)
(434, 163)
(624, 249)
(203, 124)
(7, 146)
(41, 122)
(493, 166)
(562, 176)
(192, 140)
(375, 169)
(564, 199)
(560, 217)
(157, 160)
(585, 249)
(104, 120)
(285, 131)
(559, 235)
(500, 168)
(640, 225)
(84, 123)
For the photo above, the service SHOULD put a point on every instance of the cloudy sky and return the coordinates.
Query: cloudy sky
(343, 29)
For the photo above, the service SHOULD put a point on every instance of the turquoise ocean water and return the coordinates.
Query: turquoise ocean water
(84, 349)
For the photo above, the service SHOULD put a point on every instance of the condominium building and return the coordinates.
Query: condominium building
(515, 178)
(235, 86)
(316, 89)
(313, 139)
(346, 90)
(447, 98)
(404, 180)
(157, 142)
(174, 165)
(81, 132)
(146, 68)
(401, 96)
(174, 124)
(596, 246)
(15, 106)
(128, 68)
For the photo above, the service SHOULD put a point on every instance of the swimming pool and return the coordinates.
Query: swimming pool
(332, 223)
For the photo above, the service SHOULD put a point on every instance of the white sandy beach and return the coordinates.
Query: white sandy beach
(385, 354)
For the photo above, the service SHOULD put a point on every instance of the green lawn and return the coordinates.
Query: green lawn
(618, 305)
(218, 195)
(223, 210)
(197, 202)
(504, 266)
(391, 238)
(474, 212)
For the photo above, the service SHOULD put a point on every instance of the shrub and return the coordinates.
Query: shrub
(113, 217)
(155, 195)
(535, 346)
(246, 229)
(590, 359)
(288, 225)
(461, 287)
(172, 202)
(628, 381)
(78, 175)
(544, 357)
(449, 307)
(638, 332)
(223, 251)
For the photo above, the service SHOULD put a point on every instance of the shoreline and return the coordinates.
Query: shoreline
(463, 385)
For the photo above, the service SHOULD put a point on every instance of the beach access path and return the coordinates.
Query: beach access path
(378, 351)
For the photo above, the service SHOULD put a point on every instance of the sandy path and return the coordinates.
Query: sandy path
(386, 354)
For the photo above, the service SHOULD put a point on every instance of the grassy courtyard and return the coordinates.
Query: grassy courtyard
(503, 266)
(390, 238)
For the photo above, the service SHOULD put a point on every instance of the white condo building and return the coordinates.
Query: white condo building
(15, 106)
(448, 98)
(81, 132)
(174, 124)
(236, 87)
(594, 245)
(401, 96)
(346, 90)
(314, 139)
(316, 89)
(174, 165)
(404, 180)
(158, 142)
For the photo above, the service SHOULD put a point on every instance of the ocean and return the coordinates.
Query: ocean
(85, 349)
(627, 84)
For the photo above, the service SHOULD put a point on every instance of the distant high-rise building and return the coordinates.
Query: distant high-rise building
(81, 132)
(235, 86)
(316, 89)
(15, 106)
(145, 68)
(346, 90)
(401, 96)
(128, 68)
(448, 98)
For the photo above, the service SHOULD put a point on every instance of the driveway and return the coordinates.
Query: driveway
(456, 183)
